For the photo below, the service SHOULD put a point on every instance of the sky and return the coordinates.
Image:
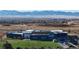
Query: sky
(26, 5)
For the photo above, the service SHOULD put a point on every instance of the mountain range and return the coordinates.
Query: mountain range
(35, 13)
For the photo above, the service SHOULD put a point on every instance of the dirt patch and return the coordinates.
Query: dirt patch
(71, 29)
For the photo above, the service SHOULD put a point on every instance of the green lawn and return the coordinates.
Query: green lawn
(31, 44)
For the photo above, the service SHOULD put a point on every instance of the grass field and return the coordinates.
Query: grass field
(27, 44)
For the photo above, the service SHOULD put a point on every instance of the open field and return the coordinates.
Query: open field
(26, 44)
(70, 29)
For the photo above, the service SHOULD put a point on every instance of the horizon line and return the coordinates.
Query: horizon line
(42, 10)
